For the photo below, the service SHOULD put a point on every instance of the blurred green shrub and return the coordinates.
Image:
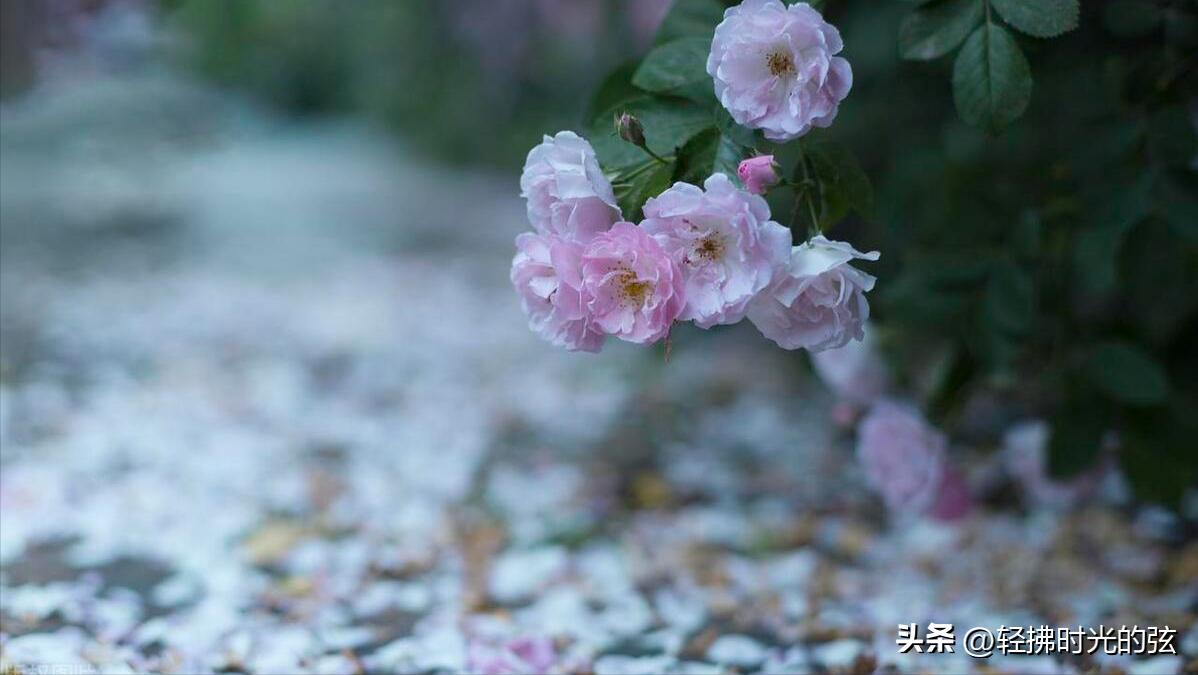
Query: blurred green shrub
(475, 81)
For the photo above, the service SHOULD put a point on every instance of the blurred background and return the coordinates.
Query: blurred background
(269, 404)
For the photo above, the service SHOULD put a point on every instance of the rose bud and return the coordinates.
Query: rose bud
(758, 173)
(629, 128)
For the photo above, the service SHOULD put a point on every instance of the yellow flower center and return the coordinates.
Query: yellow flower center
(710, 248)
(781, 64)
(633, 293)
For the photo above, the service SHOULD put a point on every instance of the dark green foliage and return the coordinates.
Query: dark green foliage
(1041, 18)
(992, 83)
(678, 67)
(937, 28)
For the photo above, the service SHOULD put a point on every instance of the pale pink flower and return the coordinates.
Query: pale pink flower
(566, 192)
(723, 241)
(758, 173)
(775, 68)
(1025, 455)
(855, 372)
(818, 301)
(633, 289)
(902, 455)
(522, 655)
(954, 499)
(546, 274)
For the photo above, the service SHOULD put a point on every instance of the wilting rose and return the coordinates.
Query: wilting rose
(546, 275)
(1026, 459)
(775, 68)
(818, 300)
(633, 289)
(854, 372)
(903, 457)
(567, 194)
(723, 241)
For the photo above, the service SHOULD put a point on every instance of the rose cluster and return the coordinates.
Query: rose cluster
(709, 254)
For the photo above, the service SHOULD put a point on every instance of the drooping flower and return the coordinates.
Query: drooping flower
(855, 372)
(546, 274)
(566, 192)
(724, 242)
(758, 173)
(775, 68)
(903, 457)
(634, 290)
(954, 499)
(1025, 457)
(818, 301)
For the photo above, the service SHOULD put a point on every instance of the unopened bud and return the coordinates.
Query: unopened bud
(758, 173)
(629, 128)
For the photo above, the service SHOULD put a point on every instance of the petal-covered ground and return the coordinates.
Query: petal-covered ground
(268, 404)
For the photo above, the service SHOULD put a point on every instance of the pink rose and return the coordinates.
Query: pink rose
(775, 68)
(818, 301)
(1025, 457)
(758, 173)
(954, 499)
(566, 191)
(854, 372)
(519, 655)
(723, 241)
(545, 273)
(634, 290)
(902, 456)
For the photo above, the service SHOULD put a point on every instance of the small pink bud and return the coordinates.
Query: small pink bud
(758, 173)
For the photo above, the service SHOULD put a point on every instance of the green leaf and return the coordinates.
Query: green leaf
(1010, 303)
(678, 67)
(1126, 373)
(1026, 235)
(992, 83)
(669, 123)
(1039, 18)
(710, 152)
(1177, 194)
(1171, 136)
(690, 18)
(845, 185)
(634, 185)
(1156, 453)
(1130, 19)
(1075, 435)
(938, 28)
(1096, 251)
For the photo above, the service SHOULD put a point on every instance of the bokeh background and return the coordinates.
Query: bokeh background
(269, 404)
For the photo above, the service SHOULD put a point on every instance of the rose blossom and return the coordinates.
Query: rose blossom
(954, 500)
(902, 456)
(634, 290)
(1025, 457)
(545, 273)
(854, 372)
(723, 241)
(758, 173)
(567, 193)
(818, 301)
(775, 68)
